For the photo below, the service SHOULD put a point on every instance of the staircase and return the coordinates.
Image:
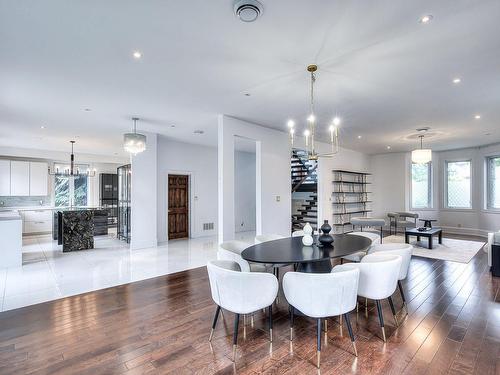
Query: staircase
(304, 179)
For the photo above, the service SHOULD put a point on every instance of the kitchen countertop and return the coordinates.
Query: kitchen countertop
(9, 215)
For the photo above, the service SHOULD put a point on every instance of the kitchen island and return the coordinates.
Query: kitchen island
(75, 228)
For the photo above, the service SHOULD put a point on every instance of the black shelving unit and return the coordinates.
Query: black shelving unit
(124, 208)
(350, 196)
(108, 196)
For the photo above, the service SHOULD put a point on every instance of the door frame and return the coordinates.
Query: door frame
(191, 177)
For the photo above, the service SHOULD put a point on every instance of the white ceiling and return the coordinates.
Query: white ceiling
(380, 69)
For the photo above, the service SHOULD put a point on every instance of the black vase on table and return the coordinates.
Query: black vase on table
(325, 238)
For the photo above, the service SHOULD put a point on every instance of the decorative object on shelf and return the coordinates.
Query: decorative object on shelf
(71, 171)
(307, 239)
(421, 155)
(326, 239)
(310, 132)
(134, 143)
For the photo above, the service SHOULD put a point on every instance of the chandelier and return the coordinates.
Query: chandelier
(71, 171)
(310, 132)
(134, 143)
(421, 155)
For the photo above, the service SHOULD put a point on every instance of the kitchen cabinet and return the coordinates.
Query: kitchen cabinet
(37, 221)
(38, 178)
(4, 178)
(19, 178)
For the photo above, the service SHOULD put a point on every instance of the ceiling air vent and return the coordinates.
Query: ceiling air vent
(248, 10)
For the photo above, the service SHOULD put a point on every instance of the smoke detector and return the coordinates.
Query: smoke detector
(248, 10)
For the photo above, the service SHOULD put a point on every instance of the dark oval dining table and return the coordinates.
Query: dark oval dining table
(312, 259)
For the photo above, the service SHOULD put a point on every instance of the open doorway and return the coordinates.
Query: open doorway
(244, 186)
(304, 182)
(178, 206)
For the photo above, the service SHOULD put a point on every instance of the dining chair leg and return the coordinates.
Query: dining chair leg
(326, 325)
(271, 323)
(214, 323)
(393, 310)
(351, 334)
(341, 260)
(318, 359)
(400, 286)
(292, 317)
(235, 335)
(381, 318)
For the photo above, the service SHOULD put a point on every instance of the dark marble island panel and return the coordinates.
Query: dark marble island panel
(76, 228)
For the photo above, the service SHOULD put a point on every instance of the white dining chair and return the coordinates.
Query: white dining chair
(240, 293)
(356, 257)
(266, 238)
(231, 250)
(320, 296)
(405, 251)
(298, 233)
(377, 280)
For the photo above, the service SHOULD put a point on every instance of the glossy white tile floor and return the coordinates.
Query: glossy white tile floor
(48, 273)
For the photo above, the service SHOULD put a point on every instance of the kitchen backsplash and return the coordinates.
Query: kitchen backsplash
(25, 201)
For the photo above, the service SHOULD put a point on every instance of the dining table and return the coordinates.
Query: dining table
(311, 259)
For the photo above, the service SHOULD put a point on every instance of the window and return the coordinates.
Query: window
(421, 185)
(493, 182)
(458, 184)
(70, 191)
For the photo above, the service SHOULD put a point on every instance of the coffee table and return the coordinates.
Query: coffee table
(427, 233)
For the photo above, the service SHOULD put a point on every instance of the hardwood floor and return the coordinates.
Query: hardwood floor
(161, 326)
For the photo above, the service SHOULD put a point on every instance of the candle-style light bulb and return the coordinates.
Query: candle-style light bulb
(307, 133)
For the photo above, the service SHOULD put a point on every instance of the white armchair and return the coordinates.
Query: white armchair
(377, 279)
(266, 238)
(240, 293)
(321, 296)
(405, 251)
(231, 250)
(356, 257)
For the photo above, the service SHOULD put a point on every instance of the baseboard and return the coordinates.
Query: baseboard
(467, 231)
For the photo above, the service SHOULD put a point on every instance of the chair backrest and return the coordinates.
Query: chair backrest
(240, 292)
(405, 251)
(322, 295)
(378, 276)
(231, 250)
(267, 237)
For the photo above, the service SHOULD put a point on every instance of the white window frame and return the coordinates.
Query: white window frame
(487, 185)
(445, 202)
(71, 192)
(430, 192)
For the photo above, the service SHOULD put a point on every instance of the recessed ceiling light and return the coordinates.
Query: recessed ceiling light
(247, 94)
(198, 131)
(388, 147)
(487, 133)
(477, 117)
(457, 80)
(42, 127)
(172, 126)
(137, 55)
(359, 137)
(426, 19)
(87, 109)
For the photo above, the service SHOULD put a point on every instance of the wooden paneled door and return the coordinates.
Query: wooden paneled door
(178, 206)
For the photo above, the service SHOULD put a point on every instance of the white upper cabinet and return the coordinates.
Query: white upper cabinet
(4, 178)
(19, 178)
(38, 178)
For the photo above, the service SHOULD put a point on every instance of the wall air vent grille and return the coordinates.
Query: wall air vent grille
(208, 226)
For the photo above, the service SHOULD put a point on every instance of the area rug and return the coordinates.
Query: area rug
(453, 250)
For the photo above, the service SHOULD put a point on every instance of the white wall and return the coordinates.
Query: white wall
(393, 188)
(144, 196)
(200, 163)
(273, 193)
(244, 191)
